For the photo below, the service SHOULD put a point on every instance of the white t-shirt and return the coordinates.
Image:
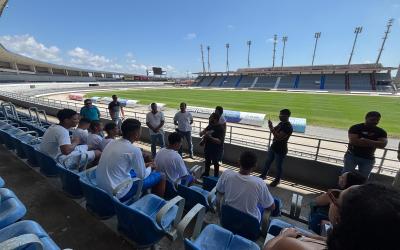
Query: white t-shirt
(54, 137)
(184, 120)
(82, 134)
(117, 159)
(94, 141)
(244, 192)
(155, 121)
(104, 143)
(171, 163)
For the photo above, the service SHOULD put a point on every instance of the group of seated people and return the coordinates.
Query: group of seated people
(362, 216)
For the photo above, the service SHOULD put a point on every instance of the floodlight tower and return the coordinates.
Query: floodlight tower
(202, 58)
(227, 56)
(208, 59)
(248, 53)
(274, 50)
(3, 5)
(357, 31)
(317, 35)
(388, 27)
(284, 40)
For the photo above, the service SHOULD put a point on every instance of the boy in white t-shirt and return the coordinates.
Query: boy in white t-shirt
(183, 119)
(244, 192)
(82, 131)
(119, 158)
(57, 143)
(169, 162)
(94, 138)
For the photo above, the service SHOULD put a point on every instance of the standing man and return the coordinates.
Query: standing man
(184, 120)
(278, 149)
(90, 111)
(364, 139)
(396, 182)
(116, 110)
(155, 122)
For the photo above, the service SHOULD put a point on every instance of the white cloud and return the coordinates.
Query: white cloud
(270, 40)
(129, 55)
(231, 27)
(367, 61)
(28, 46)
(190, 36)
(82, 57)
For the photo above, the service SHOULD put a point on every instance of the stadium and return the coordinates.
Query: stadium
(47, 204)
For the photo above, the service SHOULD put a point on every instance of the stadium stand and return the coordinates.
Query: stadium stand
(231, 82)
(246, 81)
(266, 82)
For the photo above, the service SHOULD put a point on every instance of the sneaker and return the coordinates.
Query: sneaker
(274, 183)
(263, 176)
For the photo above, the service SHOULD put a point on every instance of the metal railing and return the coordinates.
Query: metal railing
(318, 149)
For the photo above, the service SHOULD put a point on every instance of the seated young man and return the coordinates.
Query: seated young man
(82, 131)
(244, 192)
(119, 158)
(170, 162)
(57, 143)
(94, 138)
(112, 132)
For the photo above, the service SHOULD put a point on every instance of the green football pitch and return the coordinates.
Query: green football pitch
(325, 110)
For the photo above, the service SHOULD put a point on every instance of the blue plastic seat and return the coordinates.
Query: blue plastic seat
(48, 166)
(11, 208)
(215, 237)
(2, 183)
(240, 223)
(196, 195)
(149, 219)
(278, 207)
(276, 225)
(23, 228)
(30, 152)
(98, 202)
(70, 182)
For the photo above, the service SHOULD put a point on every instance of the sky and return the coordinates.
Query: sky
(132, 36)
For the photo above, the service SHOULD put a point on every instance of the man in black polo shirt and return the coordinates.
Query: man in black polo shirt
(116, 110)
(278, 149)
(364, 139)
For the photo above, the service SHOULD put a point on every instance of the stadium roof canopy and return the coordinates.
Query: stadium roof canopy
(316, 69)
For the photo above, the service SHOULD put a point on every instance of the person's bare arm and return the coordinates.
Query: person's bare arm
(213, 139)
(149, 125)
(354, 139)
(122, 112)
(322, 200)
(160, 126)
(68, 148)
(286, 240)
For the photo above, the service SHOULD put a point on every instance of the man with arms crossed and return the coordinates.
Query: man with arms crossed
(184, 120)
(364, 139)
(116, 110)
(119, 158)
(155, 122)
(244, 192)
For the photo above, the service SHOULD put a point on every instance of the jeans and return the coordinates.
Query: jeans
(154, 138)
(278, 162)
(351, 161)
(188, 136)
(118, 122)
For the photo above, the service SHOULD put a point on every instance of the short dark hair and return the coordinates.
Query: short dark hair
(130, 125)
(220, 109)
(183, 103)
(354, 178)
(174, 138)
(87, 100)
(248, 160)
(84, 120)
(214, 116)
(373, 114)
(65, 114)
(153, 103)
(94, 124)
(368, 219)
(110, 126)
(285, 112)
(113, 96)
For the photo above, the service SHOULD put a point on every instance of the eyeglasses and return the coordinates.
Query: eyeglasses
(334, 196)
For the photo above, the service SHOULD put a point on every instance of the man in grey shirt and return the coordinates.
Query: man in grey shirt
(115, 108)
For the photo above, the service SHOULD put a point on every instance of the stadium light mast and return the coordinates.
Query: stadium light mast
(227, 57)
(284, 40)
(208, 59)
(3, 5)
(248, 54)
(357, 31)
(274, 50)
(317, 35)
(388, 27)
(202, 58)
